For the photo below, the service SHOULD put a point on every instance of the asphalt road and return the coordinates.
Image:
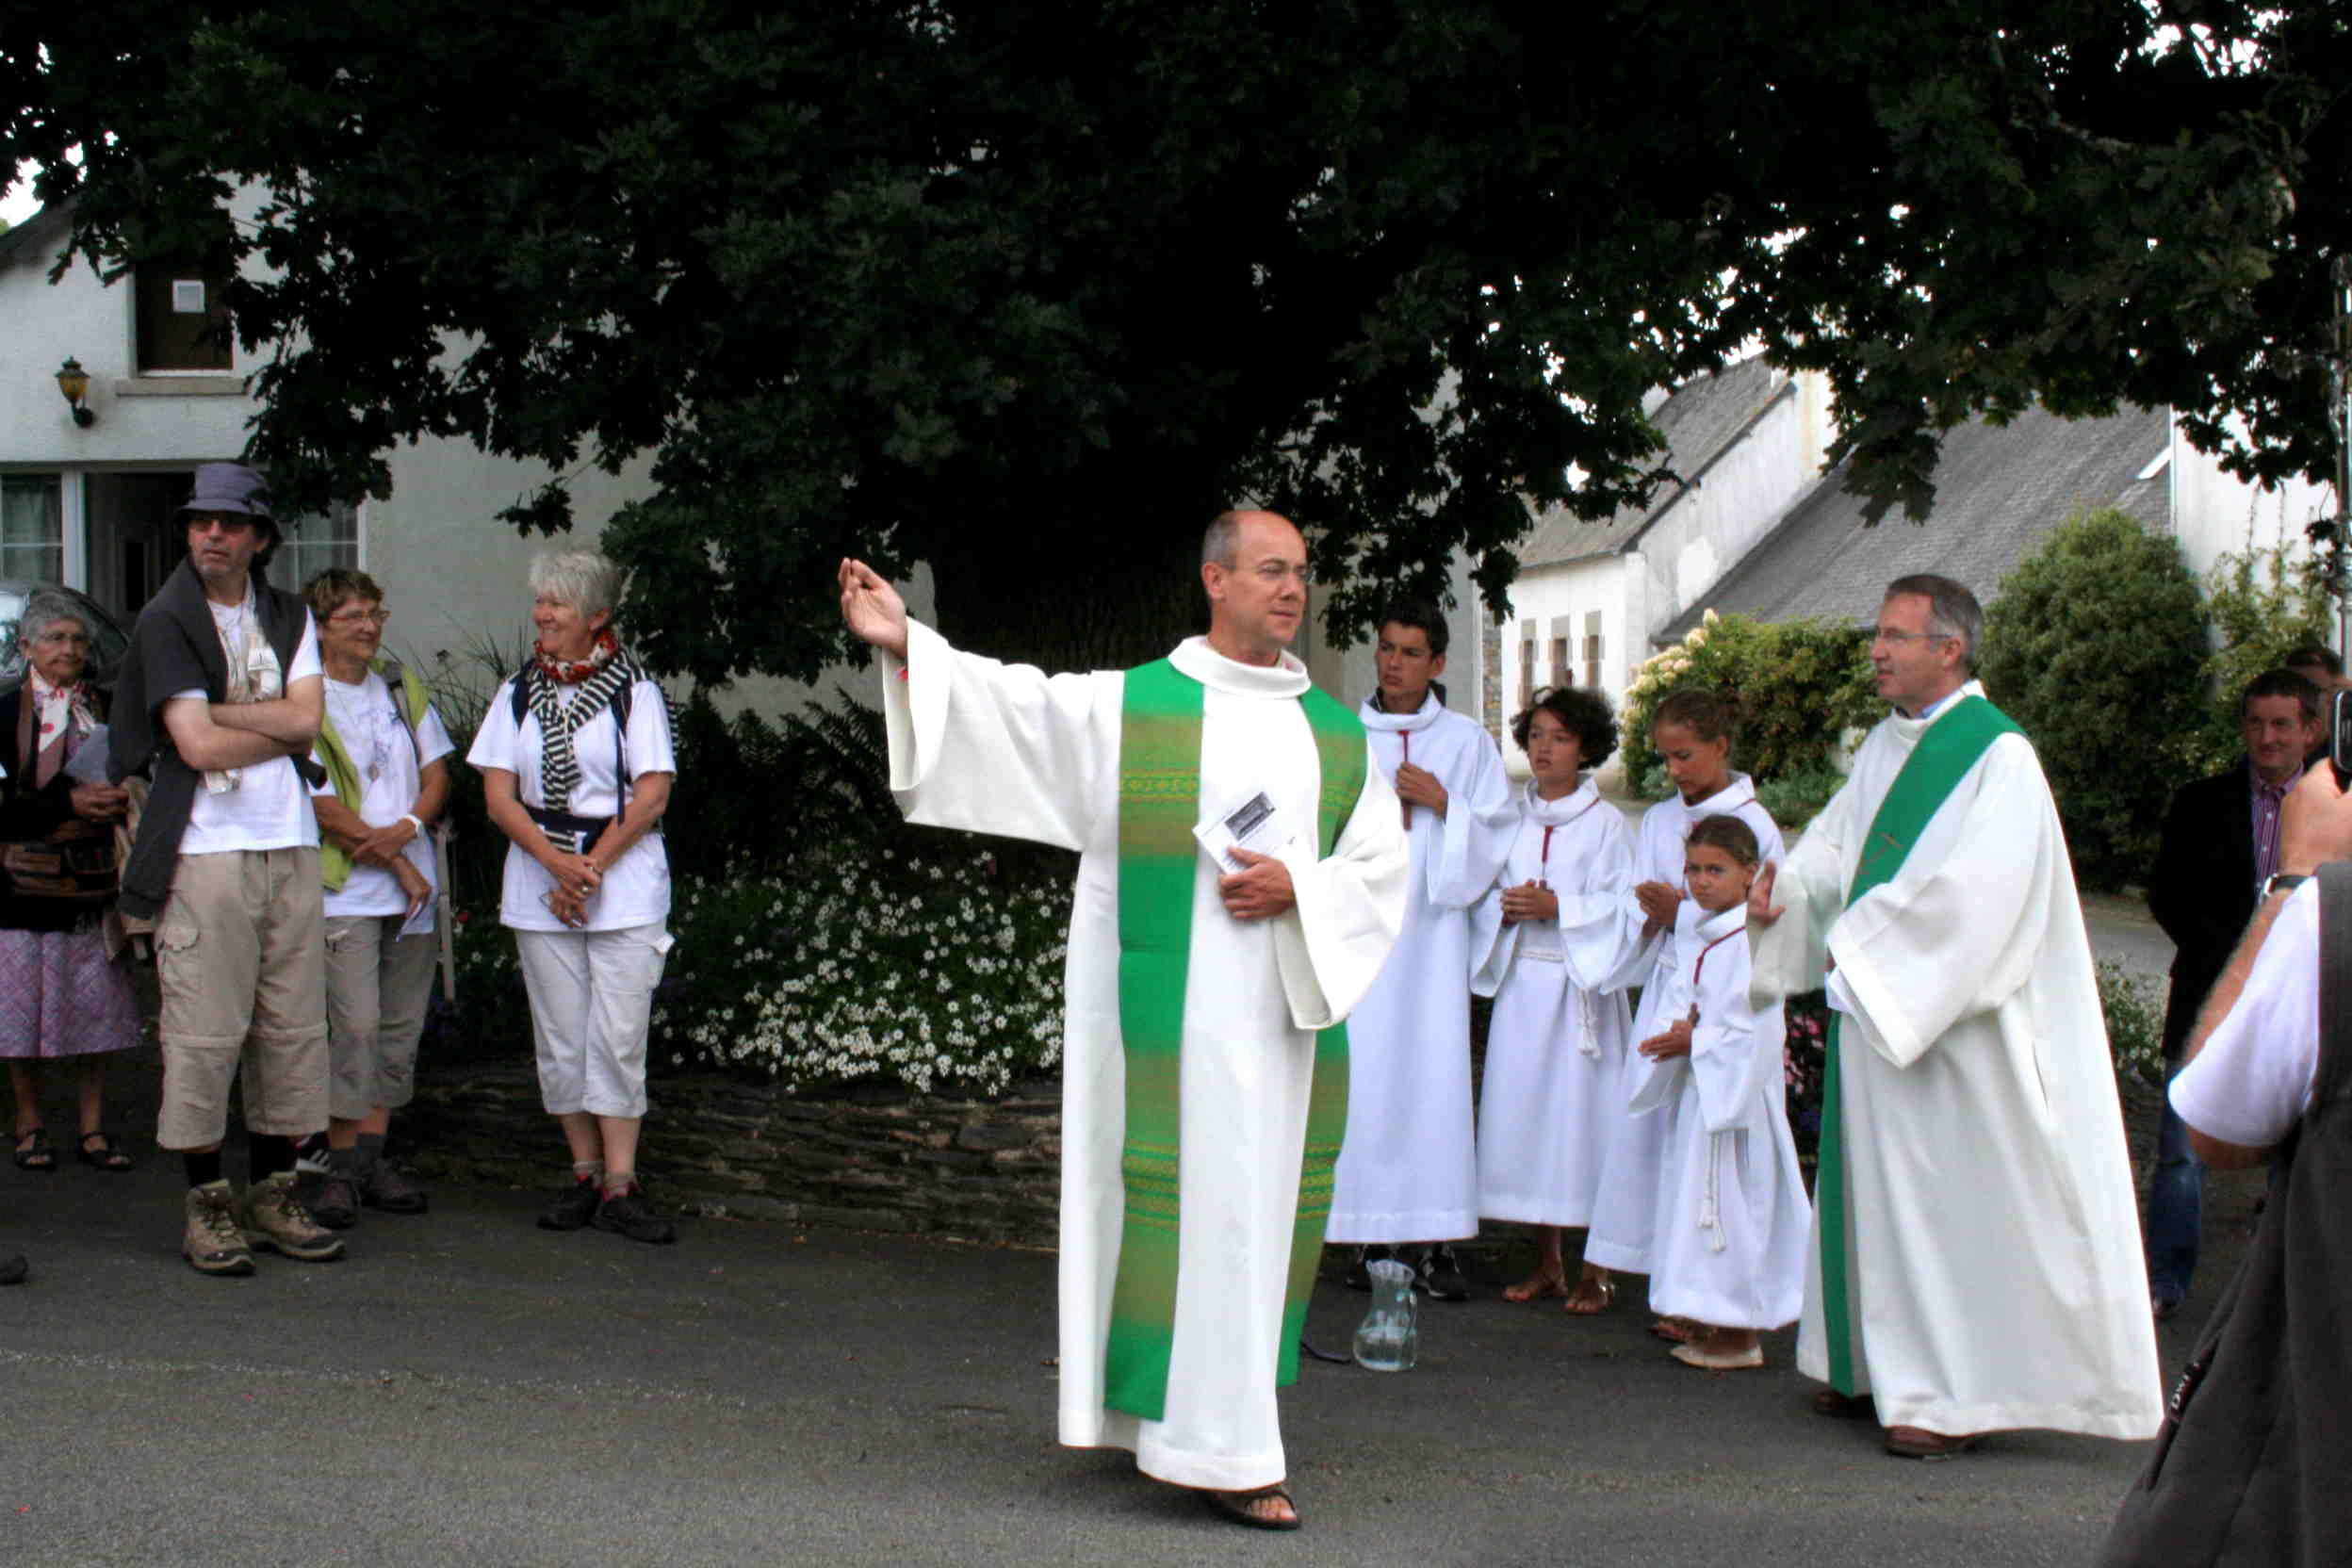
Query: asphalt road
(465, 1388)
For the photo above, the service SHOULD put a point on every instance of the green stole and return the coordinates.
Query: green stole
(1951, 746)
(1159, 804)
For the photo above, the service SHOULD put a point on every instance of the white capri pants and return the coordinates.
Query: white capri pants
(591, 1000)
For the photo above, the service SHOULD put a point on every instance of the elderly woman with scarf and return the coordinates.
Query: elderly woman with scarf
(576, 767)
(64, 994)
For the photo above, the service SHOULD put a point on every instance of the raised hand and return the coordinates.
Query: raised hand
(1761, 909)
(872, 608)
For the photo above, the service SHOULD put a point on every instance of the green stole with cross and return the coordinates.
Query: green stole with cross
(1159, 804)
(1950, 746)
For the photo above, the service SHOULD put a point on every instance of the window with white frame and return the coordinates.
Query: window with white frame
(32, 527)
(309, 546)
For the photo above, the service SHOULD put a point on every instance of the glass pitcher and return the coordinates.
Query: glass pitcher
(1389, 1338)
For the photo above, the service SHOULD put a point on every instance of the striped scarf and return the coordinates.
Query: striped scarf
(558, 766)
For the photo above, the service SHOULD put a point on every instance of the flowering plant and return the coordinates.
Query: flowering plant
(1804, 1056)
(880, 963)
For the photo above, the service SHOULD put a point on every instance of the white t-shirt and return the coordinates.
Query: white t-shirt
(373, 737)
(636, 889)
(270, 809)
(2253, 1082)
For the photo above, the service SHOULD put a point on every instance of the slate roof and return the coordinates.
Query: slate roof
(1999, 491)
(33, 240)
(1704, 419)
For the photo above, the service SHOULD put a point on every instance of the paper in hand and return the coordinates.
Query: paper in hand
(88, 765)
(1254, 825)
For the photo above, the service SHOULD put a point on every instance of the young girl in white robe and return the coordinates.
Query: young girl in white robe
(1694, 731)
(1552, 1100)
(1731, 1217)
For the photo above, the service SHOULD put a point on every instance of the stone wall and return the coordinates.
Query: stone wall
(981, 1170)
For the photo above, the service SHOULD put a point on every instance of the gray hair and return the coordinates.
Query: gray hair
(582, 578)
(1952, 609)
(1222, 539)
(43, 609)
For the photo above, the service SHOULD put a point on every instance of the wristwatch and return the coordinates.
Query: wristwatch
(2283, 882)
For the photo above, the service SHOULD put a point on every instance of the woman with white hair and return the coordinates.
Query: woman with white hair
(64, 996)
(576, 766)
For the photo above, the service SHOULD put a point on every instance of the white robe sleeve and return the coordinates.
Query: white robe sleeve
(1472, 840)
(1591, 922)
(1734, 1046)
(999, 748)
(1351, 905)
(1790, 956)
(1492, 943)
(1957, 933)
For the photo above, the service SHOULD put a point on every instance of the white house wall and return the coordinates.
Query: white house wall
(2216, 514)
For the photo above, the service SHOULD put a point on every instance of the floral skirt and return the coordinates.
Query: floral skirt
(61, 996)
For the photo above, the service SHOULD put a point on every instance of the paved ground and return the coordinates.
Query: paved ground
(466, 1388)
(469, 1389)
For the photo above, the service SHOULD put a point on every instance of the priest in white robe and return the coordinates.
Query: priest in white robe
(1975, 1261)
(1279, 954)
(1409, 1172)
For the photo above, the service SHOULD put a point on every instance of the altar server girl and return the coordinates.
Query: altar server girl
(1556, 1046)
(1731, 1217)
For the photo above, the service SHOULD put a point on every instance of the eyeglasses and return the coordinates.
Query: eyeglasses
(62, 638)
(377, 616)
(1880, 634)
(1272, 572)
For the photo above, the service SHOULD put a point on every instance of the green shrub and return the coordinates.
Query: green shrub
(1801, 685)
(1796, 798)
(2095, 646)
(2263, 606)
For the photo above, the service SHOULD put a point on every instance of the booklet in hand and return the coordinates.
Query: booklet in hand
(1254, 825)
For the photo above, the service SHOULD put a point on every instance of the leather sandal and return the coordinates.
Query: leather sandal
(1537, 1287)
(1581, 1305)
(106, 1157)
(1235, 1506)
(33, 1152)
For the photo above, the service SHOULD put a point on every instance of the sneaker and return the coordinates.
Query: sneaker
(573, 1207)
(625, 1213)
(383, 1186)
(1440, 1273)
(1358, 1275)
(275, 1218)
(335, 1203)
(211, 1241)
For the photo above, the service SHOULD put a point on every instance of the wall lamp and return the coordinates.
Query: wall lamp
(75, 383)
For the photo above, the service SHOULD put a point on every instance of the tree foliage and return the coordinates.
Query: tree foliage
(2263, 605)
(1800, 686)
(1025, 291)
(2097, 647)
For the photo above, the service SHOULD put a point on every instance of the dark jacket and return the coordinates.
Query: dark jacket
(174, 648)
(2202, 890)
(28, 814)
(2249, 1468)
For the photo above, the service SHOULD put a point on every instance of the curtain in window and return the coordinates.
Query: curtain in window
(32, 527)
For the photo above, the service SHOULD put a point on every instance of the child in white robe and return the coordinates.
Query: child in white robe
(1693, 731)
(1552, 1098)
(1732, 1219)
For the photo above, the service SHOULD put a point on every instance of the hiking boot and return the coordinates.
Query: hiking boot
(383, 1186)
(211, 1242)
(1358, 1275)
(573, 1207)
(336, 1201)
(275, 1218)
(1440, 1273)
(625, 1213)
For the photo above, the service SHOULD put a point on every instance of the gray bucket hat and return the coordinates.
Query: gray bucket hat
(231, 487)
